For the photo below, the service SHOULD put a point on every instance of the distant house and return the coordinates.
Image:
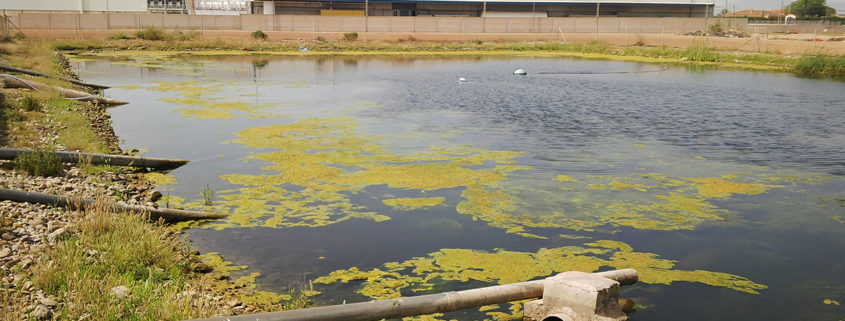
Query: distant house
(489, 8)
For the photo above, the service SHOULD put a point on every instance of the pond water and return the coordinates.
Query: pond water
(723, 188)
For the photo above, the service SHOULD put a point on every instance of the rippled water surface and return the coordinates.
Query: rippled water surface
(723, 188)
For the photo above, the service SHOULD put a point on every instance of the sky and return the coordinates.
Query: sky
(839, 5)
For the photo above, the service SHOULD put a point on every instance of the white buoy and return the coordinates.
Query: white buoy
(462, 79)
(520, 71)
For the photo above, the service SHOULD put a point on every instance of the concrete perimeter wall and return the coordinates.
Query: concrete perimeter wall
(309, 23)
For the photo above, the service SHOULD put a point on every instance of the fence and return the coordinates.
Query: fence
(308, 23)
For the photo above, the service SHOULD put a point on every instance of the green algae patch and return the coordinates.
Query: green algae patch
(220, 266)
(413, 203)
(653, 201)
(244, 287)
(503, 267)
(320, 163)
(564, 178)
(203, 101)
(160, 179)
(715, 187)
(316, 167)
(839, 219)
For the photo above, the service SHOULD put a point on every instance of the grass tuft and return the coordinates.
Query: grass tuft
(350, 36)
(259, 35)
(39, 163)
(207, 195)
(30, 103)
(151, 33)
(112, 250)
(699, 51)
(118, 36)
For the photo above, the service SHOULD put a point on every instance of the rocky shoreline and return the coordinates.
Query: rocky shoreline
(27, 230)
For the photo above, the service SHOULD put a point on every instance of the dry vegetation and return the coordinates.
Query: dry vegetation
(811, 64)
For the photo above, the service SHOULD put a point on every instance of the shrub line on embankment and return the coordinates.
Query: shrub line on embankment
(699, 53)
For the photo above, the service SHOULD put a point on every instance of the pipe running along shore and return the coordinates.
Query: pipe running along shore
(10, 81)
(421, 305)
(100, 159)
(168, 214)
(38, 74)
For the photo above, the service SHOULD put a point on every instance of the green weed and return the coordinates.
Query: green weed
(815, 64)
(699, 51)
(350, 36)
(715, 28)
(151, 33)
(259, 35)
(207, 195)
(30, 103)
(111, 250)
(39, 163)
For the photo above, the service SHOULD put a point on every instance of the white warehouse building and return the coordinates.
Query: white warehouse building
(450, 8)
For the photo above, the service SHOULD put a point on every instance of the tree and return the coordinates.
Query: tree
(816, 8)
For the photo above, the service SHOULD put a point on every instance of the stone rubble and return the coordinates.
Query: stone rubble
(28, 230)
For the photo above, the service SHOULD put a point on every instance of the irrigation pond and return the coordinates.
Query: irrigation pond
(362, 178)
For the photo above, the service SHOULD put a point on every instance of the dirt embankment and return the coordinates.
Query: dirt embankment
(790, 44)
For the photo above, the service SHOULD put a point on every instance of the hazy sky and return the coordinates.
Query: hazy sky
(839, 5)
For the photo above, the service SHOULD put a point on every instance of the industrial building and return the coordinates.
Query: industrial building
(436, 8)
(489, 8)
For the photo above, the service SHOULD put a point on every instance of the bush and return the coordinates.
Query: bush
(259, 35)
(821, 65)
(118, 36)
(715, 28)
(40, 163)
(351, 36)
(321, 39)
(30, 103)
(151, 33)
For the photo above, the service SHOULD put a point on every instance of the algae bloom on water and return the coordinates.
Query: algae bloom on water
(422, 274)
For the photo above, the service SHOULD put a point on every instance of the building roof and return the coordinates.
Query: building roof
(576, 2)
(756, 13)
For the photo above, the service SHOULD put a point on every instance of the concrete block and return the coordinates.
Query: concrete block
(577, 296)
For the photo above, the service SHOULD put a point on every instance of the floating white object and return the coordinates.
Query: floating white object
(462, 79)
(520, 71)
